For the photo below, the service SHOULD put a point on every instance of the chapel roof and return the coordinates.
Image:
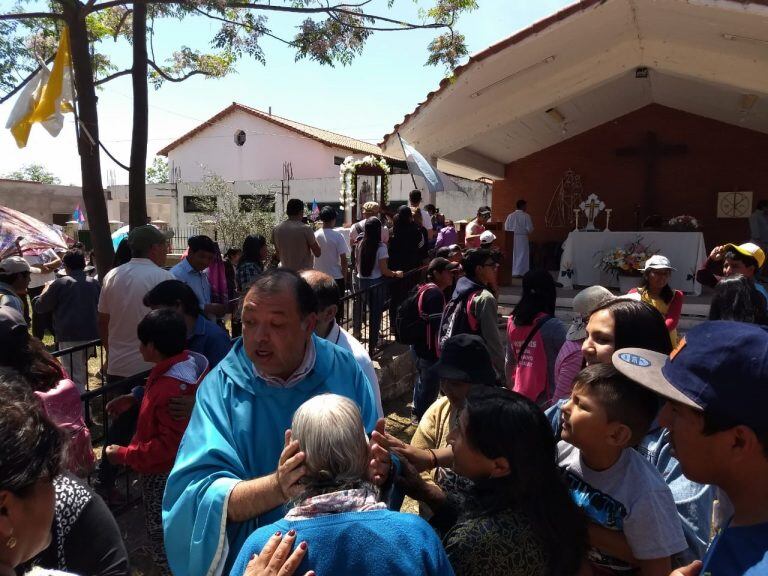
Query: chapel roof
(323, 136)
(588, 64)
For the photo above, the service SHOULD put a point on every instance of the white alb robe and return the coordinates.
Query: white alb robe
(521, 224)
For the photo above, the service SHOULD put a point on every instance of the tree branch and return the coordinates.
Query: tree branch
(106, 79)
(32, 16)
(162, 73)
(405, 25)
(123, 18)
(337, 8)
(244, 25)
(23, 83)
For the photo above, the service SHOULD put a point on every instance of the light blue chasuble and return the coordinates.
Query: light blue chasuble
(237, 433)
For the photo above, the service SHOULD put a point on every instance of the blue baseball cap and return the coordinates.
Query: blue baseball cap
(718, 367)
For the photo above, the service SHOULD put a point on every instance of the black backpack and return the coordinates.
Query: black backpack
(458, 318)
(411, 323)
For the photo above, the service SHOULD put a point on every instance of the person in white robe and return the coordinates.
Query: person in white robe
(520, 223)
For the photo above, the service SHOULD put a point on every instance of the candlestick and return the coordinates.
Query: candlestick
(576, 217)
(608, 218)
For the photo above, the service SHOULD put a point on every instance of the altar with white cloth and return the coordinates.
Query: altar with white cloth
(583, 251)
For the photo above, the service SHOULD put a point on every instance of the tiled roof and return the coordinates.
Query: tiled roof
(324, 136)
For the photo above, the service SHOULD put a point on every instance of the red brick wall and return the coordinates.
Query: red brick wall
(720, 158)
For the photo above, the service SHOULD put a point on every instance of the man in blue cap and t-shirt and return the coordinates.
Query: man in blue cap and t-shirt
(716, 386)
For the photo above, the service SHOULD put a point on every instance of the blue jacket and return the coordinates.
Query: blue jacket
(210, 340)
(374, 543)
(237, 433)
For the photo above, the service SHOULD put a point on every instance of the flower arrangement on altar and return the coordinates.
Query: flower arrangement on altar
(348, 179)
(627, 260)
(684, 222)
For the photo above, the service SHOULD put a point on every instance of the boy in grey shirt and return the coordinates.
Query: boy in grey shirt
(634, 525)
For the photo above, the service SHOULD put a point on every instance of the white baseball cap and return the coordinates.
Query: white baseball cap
(16, 264)
(658, 262)
(487, 237)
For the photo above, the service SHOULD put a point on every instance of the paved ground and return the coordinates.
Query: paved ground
(131, 519)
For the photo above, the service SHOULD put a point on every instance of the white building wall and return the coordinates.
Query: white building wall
(459, 205)
(266, 149)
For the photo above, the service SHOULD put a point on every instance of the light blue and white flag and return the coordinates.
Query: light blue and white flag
(418, 165)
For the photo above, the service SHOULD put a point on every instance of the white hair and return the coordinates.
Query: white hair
(331, 434)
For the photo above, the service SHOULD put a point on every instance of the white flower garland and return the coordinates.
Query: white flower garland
(348, 179)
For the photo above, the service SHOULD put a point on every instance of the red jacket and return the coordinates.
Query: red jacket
(156, 441)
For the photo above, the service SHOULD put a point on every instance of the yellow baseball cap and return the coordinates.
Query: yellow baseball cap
(748, 249)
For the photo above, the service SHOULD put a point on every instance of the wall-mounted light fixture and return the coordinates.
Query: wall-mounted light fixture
(555, 114)
(515, 74)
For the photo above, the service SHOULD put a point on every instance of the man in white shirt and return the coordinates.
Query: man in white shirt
(519, 222)
(327, 304)
(121, 308)
(414, 201)
(333, 253)
(121, 305)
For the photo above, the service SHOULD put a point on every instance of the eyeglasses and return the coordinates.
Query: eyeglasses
(492, 264)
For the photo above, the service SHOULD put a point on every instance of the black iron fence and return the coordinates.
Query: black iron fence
(370, 309)
(183, 233)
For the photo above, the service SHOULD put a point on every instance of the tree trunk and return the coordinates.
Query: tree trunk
(137, 194)
(88, 139)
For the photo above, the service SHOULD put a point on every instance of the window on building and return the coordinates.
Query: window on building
(261, 202)
(338, 160)
(240, 137)
(199, 203)
(61, 219)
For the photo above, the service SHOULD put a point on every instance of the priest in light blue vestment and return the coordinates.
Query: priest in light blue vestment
(242, 410)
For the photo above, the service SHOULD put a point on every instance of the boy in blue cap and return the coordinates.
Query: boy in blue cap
(716, 386)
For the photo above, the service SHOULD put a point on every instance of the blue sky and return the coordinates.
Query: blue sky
(363, 100)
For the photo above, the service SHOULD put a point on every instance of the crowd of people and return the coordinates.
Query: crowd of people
(617, 444)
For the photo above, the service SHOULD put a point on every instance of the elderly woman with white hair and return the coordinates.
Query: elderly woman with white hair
(338, 518)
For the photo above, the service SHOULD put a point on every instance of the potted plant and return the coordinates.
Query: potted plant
(626, 262)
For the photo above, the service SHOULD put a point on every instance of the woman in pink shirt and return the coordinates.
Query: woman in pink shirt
(534, 338)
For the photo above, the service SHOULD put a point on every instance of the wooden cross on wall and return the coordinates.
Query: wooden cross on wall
(651, 150)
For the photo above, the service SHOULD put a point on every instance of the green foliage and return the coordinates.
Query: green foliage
(447, 49)
(333, 34)
(337, 39)
(34, 173)
(157, 173)
(222, 207)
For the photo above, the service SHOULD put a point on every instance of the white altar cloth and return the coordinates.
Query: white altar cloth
(582, 252)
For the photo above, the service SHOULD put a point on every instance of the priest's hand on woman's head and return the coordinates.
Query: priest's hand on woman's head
(290, 468)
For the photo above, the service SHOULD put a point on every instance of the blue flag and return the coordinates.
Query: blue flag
(420, 166)
(315, 211)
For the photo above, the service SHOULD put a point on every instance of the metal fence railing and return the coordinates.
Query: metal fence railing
(184, 233)
(97, 394)
(369, 314)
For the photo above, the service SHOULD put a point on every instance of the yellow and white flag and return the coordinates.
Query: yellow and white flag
(46, 97)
